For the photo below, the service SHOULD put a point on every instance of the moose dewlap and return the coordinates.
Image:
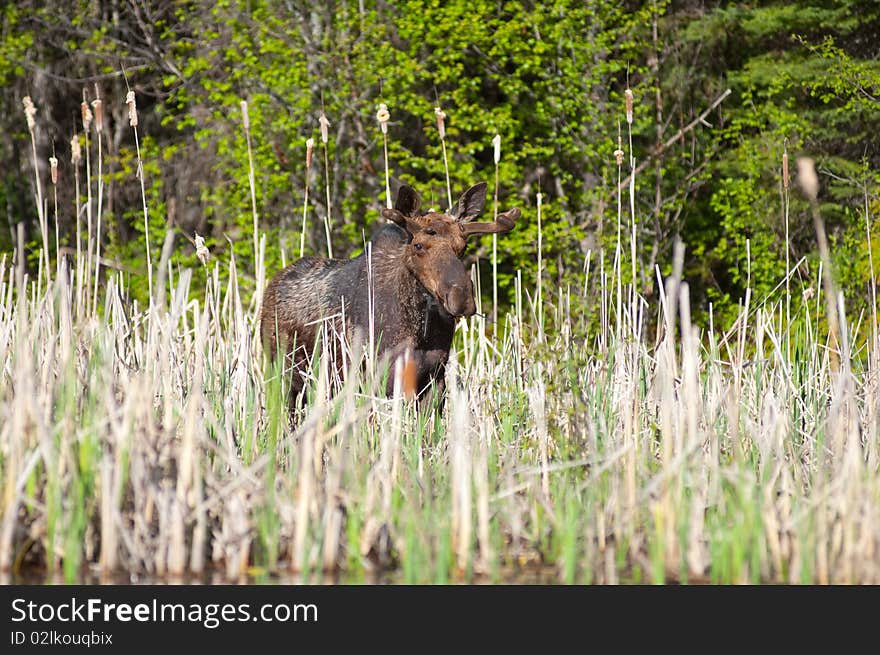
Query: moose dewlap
(419, 288)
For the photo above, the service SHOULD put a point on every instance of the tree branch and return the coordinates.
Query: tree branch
(687, 128)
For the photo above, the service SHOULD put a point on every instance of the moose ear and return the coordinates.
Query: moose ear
(503, 224)
(469, 206)
(395, 216)
(408, 201)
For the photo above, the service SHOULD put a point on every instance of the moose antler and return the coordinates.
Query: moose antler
(406, 212)
(504, 223)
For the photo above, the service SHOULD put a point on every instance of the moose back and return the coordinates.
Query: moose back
(420, 287)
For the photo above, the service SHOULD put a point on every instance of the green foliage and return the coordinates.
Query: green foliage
(13, 44)
(524, 73)
(547, 77)
(804, 78)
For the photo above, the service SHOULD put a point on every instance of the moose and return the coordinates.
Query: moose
(415, 275)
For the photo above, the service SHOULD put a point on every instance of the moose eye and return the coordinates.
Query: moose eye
(419, 247)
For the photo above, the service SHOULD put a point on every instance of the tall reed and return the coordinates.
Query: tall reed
(565, 451)
(98, 112)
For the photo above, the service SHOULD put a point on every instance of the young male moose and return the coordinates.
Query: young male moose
(420, 287)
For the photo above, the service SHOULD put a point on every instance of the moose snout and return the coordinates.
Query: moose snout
(460, 300)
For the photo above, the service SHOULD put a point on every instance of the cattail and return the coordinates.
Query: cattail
(496, 143)
(245, 119)
(325, 126)
(618, 154)
(441, 118)
(53, 171)
(29, 112)
(441, 127)
(202, 251)
(628, 95)
(246, 123)
(75, 150)
(785, 169)
(86, 114)
(807, 177)
(310, 149)
(98, 106)
(383, 116)
(132, 109)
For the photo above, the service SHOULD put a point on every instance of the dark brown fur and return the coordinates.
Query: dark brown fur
(420, 288)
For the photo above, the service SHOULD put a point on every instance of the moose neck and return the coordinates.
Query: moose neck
(406, 312)
(424, 316)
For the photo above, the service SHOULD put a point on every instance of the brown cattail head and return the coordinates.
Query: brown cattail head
(202, 251)
(441, 121)
(30, 113)
(310, 149)
(325, 127)
(785, 169)
(132, 109)
(98, 108)
(628, 96)
(618, 154)
(75, 151)
(807, 177)
(53, 169)
(383, 116)
(245, 118)
(86, 114)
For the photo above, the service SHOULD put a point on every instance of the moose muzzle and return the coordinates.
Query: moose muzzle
(459, 300)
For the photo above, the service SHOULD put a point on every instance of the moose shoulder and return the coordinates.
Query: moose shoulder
(419, 288)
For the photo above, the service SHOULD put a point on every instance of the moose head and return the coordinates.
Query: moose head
(437, 242)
